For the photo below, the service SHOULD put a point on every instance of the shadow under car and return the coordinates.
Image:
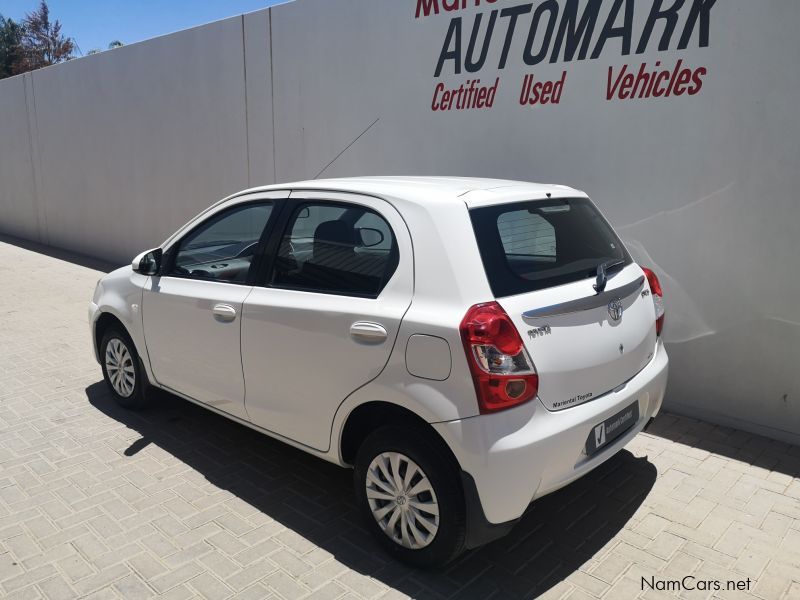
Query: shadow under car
(558, 533)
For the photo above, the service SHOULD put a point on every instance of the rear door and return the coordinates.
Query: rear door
(587, 331)
(324, 317)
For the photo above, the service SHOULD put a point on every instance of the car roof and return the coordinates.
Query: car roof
(418, 191)
(472, 191)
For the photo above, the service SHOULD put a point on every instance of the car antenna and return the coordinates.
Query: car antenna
(346, 148)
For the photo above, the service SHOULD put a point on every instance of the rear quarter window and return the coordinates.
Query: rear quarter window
(528, 246)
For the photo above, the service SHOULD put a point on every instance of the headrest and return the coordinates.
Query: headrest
(335, 232)
(333, 236)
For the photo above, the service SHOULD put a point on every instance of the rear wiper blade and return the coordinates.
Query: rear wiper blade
(602, 276)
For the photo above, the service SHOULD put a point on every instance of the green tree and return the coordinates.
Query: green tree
(42, 42)
(111, 46)
(10, 46)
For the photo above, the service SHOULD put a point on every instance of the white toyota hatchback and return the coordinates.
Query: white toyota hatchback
(466, 345)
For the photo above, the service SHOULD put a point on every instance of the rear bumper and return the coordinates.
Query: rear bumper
(522, 454)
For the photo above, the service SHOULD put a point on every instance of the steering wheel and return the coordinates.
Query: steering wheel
(248, 250)
(177, 269)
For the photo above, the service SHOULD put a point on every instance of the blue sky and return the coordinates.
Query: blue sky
(95, 23)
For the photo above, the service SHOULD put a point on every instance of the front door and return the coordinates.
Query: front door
(192, 314)
(323, 320)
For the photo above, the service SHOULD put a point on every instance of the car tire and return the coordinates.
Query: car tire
(420, 463)
(122, 369)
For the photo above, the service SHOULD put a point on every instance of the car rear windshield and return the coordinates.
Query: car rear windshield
(528, 246)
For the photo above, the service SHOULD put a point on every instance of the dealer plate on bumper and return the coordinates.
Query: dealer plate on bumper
(606, 432)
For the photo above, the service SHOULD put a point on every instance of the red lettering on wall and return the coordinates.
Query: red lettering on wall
(654, 83)
(426, 8)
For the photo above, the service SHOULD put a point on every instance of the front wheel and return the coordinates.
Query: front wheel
(122, 370)
(410, 495)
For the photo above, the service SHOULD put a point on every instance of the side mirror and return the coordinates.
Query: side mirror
(148, 263)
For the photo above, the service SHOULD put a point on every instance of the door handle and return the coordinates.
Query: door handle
(224, 312)
(368, 333)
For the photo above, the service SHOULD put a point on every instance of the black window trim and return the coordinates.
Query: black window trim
(168, 263)
(266, 268)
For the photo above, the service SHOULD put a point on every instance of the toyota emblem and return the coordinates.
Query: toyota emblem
(615, 309)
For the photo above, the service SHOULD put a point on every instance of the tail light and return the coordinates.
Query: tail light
(658, 298)
(502, 370)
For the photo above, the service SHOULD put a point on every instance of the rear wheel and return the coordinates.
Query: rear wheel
(121, 369)
(410, 495)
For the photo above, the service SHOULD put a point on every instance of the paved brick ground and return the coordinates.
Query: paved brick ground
(179, 503)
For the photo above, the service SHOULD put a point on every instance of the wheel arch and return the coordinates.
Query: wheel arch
(367, 417)
(104, 322)
(108, 317)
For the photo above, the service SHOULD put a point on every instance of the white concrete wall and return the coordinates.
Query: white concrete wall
(18, 198)
(109, 154)
(129, 144)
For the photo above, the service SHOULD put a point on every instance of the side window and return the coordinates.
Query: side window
(343, 249)
(222, 248)
(527, 234)
(375, 233)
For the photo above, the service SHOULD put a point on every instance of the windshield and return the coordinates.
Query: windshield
(527, 246)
